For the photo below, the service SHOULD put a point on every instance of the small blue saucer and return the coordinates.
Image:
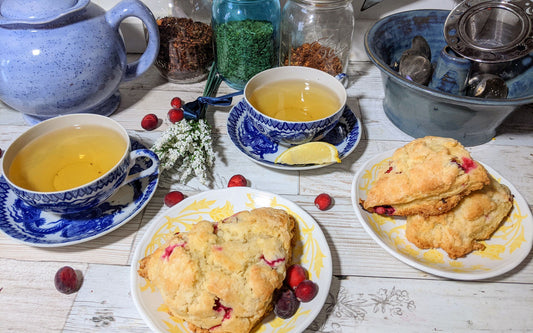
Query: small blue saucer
(34, 227)
(345, 136)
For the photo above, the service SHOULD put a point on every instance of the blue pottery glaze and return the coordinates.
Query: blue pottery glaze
(66, 56)
(451, 72)
(420, 110)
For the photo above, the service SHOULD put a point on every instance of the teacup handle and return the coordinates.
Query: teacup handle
(147, 172)
(343, 78)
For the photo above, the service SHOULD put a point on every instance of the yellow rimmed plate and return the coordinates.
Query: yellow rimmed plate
(311, 250)
(505, 250)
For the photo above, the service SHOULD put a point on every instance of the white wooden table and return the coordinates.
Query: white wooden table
(371, 291)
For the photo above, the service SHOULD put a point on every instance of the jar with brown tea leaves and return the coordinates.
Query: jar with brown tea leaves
(186, 42)
(317, 34)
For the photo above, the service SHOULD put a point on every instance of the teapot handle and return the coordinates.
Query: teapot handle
(136, 8)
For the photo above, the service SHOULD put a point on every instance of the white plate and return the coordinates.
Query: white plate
(311, 251)
(507, 247)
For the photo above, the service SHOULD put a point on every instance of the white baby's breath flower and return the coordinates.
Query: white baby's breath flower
(185, 149)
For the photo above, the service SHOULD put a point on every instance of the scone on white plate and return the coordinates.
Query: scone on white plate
(221, 276)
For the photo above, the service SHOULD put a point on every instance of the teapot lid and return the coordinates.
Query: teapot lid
(37, 11)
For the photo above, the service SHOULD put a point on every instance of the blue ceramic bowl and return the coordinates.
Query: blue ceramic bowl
(90, 194)
(291, 133)
(418, 110)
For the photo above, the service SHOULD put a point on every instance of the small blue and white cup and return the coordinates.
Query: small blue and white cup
(88, 195)
(291, 133)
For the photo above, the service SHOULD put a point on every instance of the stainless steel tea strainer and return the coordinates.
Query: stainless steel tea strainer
(490, 31)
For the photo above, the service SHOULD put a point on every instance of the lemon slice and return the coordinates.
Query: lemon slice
(310, 153)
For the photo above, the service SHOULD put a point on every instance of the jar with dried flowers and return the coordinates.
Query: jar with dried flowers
(186, 41)
(317, 34)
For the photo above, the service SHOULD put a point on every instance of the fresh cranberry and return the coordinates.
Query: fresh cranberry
(67, 280)
(176, 103)
(323, 201)
(237, 180)
(295, 274)
(389, 170)
(306, 291)
(286, 304)
(150, 122)
(173, 197)
(175, 115)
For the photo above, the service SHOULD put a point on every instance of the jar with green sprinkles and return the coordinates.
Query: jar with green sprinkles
(246, 38)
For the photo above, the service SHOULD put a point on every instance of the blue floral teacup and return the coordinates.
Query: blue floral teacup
(72, 163)
(299, 130)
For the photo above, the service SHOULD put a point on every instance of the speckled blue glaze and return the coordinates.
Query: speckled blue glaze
(450, 73)
(66, 56)
(419, 110)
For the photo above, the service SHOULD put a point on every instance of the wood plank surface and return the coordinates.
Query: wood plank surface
(371, 290)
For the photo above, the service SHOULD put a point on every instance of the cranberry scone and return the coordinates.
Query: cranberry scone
(221, 276)
(427, 176)
(459, 231)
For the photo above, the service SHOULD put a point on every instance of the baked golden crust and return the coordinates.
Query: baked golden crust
(459, 231)
(220, 277)
(427, 176)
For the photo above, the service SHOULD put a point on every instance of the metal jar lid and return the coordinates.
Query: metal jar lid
(490, 31)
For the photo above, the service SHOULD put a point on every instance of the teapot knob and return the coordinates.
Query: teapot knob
(38, 11)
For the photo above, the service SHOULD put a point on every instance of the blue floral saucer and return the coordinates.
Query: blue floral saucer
(34, 227)
(345, 136)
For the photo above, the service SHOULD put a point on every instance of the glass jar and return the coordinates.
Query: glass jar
(246, 38)
(186, 41)
(317, 33)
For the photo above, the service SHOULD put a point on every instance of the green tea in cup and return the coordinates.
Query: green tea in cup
(67, 158)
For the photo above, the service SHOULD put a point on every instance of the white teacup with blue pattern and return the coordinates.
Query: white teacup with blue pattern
(87, 195)
(290, 133)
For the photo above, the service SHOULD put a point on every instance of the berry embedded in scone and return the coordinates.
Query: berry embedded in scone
(427, 176)
(221, 276)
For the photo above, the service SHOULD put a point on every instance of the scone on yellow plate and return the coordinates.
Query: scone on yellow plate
(427, 176)
(459, 231)
(221, 276)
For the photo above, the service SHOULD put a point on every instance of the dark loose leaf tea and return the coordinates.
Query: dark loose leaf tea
(186, 50)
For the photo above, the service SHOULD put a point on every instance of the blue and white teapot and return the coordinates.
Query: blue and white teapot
(67, 56)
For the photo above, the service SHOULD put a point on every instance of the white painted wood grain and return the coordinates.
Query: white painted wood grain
(29, 301)
(366, 279)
